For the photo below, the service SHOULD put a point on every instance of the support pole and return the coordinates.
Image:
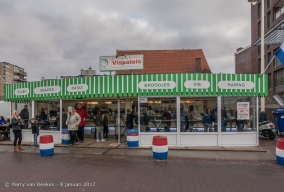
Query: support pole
(60, 113)
(262, 107)
(118, 120)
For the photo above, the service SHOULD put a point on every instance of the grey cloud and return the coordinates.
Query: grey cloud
(54, 38)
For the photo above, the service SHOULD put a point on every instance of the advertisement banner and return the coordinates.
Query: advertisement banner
(243, 111)
(118, 63)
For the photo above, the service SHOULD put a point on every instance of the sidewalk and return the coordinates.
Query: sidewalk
(110, 148)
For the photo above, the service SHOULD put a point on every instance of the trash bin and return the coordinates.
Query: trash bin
(46, 145)
(279, 120)
(280, 151)
(132, 138)
(65, 140)
(160, 147)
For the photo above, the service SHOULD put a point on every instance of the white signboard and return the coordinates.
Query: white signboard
(127, 62)
(236, 85)
(47, 90)
(157, 85)
(77, 88)
(243, 110)
(143, 100)
(22, 91)
(197, 84)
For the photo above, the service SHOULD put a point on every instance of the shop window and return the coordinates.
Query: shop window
(259, 10)
(158, 115)
(238, 114)
(198, 114)
(47, 115)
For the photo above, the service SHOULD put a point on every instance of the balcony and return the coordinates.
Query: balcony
(16, 71)
(25, 74)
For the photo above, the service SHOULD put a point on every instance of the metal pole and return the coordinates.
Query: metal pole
(33, 109)
(262, 107)
(60, 119)
(219, 106)
(257, 122)
(118, 120)
(178, 120)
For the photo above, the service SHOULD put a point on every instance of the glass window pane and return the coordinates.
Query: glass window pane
(158, 115)
(198, 114)
(238, 114)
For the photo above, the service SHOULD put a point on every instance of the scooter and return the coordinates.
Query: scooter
(267, 129)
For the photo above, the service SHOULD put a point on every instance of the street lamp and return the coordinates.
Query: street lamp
(253, 2)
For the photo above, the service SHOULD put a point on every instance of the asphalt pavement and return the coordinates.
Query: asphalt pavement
(123, 169)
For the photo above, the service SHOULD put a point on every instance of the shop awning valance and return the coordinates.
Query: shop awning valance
(140, 85)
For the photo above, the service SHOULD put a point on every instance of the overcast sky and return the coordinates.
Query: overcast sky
(59, 37)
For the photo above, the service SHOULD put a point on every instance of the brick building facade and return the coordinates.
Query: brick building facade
(274, 16)
(169, 61)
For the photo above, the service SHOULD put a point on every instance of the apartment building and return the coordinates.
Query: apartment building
(10, 73)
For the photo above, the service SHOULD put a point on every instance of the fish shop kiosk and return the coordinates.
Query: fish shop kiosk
(194, 109)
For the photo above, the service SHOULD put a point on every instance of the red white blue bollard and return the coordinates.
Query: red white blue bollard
(132, 138)
(46, 145)
(280, 151)
(160, 147)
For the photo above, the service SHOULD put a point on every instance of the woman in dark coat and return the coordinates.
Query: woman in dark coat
(129, 119)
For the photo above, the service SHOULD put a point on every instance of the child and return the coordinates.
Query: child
(35, 131)
(105, 125)
(99, 126)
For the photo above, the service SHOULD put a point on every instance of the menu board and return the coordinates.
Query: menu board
(243, 111)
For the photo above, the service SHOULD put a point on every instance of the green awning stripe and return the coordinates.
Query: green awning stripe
(127, 85)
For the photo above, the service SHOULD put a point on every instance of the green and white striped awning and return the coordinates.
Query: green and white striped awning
(140, 85)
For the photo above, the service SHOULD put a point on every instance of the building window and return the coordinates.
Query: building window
(268, 3)
(268, 19)
(258, 50)
(259, 66)
(259, 28)
(269, 81)
(279, 78)
(259, 10)
(279, 12)
(269, 59)
(276, 61)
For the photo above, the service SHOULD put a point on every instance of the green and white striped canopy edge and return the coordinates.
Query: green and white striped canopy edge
(127, 85)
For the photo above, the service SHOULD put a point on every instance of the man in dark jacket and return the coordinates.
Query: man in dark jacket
(24, 114)
(95, 112)
(129, 119)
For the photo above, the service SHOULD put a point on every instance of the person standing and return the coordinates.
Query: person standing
(83, 114)
(95, 112)
(129, 119)
(166, 117)
(73, 121)
(35, 131)
(16, 126)
(99, 126)
(105, 124)
(208, 120)
(24, 114)
(64, 119)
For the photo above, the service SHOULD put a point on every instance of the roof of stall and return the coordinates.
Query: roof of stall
(140, 85)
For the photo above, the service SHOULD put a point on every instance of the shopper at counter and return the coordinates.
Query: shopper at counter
(83, 114)
(208, 117)
(64, 119)
(99, 126)
(95, 112)
(166, 120)
(105, 124)
(129, 119)
(73, 121)
(144, 121)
